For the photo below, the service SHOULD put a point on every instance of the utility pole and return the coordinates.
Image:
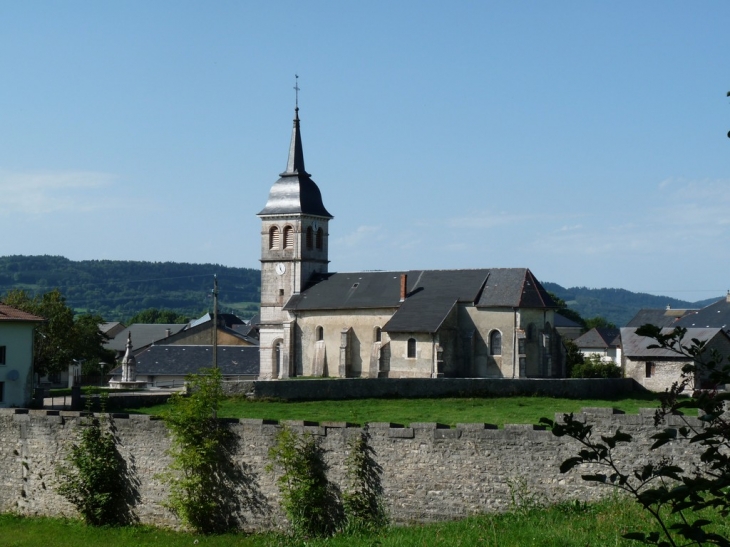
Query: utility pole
(215, 321)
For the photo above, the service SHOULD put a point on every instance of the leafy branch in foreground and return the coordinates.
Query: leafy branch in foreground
(661, 487)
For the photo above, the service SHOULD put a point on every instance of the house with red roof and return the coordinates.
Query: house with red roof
(17, 330)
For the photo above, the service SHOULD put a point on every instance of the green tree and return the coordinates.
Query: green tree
(61, 338)
(565, 311)
(697, 493)
(598, 322)
(573, 356)
(593, 367)
(153, 315)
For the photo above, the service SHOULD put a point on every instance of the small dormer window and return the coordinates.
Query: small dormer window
(288, 237)
(274, 237)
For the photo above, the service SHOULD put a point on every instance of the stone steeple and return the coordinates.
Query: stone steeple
(295, 192)
(294, 248)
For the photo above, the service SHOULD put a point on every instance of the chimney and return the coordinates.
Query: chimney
(727, 298)
(403, 286)
(669, 307)
(168, 332)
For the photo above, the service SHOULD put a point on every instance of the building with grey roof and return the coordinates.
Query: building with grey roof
(605, 342)
(491, 322)
(658, 368)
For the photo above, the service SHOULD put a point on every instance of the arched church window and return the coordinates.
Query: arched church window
(320, 334)
(274, 237)
(310, 238)
(288, 237)
(378, 334)
(320, 237)
(495, 343)
(411, 348)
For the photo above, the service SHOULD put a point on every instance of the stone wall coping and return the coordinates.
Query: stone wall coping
(476, 426)
(428, 425)
(604, 415)
(524, 427)
(601, 410)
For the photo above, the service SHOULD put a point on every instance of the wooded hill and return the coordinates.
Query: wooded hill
(118, 289)
(617, 305)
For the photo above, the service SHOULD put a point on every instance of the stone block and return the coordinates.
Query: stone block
(401, 433)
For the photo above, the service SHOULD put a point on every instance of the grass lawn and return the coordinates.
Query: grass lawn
(564, 525)
(497, 410)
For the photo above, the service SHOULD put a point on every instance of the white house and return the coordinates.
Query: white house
(16, 356)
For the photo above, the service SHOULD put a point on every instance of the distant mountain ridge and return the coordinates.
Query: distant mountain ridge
(118, 289)
(617, 305)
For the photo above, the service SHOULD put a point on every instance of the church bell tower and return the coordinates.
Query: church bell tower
(294, 234)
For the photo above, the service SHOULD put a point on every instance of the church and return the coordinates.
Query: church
(481, 323)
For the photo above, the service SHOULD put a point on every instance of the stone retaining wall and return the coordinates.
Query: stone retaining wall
(430, 472)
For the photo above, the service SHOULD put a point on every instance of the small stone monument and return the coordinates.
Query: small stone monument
(129, 370)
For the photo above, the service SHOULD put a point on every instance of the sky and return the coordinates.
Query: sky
(586, 141)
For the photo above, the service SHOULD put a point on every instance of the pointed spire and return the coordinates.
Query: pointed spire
(295, 165)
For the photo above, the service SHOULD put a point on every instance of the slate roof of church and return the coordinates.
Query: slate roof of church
(658, 317)
(634, 345)
(714, 315)
(295, 192)
(8, 313)
(431, 294)
(183, 360)
(599, 337)
(562, 321)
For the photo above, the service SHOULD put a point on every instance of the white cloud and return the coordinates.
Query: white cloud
(361, 235)
(681, 215)
(38, 193)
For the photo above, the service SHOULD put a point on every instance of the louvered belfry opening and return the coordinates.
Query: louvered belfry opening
(288, 237)
(274, 237)
(319, 238)
(310, 238)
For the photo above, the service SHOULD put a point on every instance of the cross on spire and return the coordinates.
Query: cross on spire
(296, 90)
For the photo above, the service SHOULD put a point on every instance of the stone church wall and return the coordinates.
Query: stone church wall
(430, 472)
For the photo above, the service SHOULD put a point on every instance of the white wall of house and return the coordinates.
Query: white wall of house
(16, 373)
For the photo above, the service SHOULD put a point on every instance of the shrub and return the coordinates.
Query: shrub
(363, 498)
(593, 367)
(198, 494)
(93, 476)
(310, 501)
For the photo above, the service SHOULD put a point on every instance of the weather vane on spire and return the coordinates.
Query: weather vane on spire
(296, 89)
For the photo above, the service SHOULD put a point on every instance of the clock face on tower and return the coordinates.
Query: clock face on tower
(280, 268)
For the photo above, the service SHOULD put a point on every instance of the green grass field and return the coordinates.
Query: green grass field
(566, 525)
(450, 411)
